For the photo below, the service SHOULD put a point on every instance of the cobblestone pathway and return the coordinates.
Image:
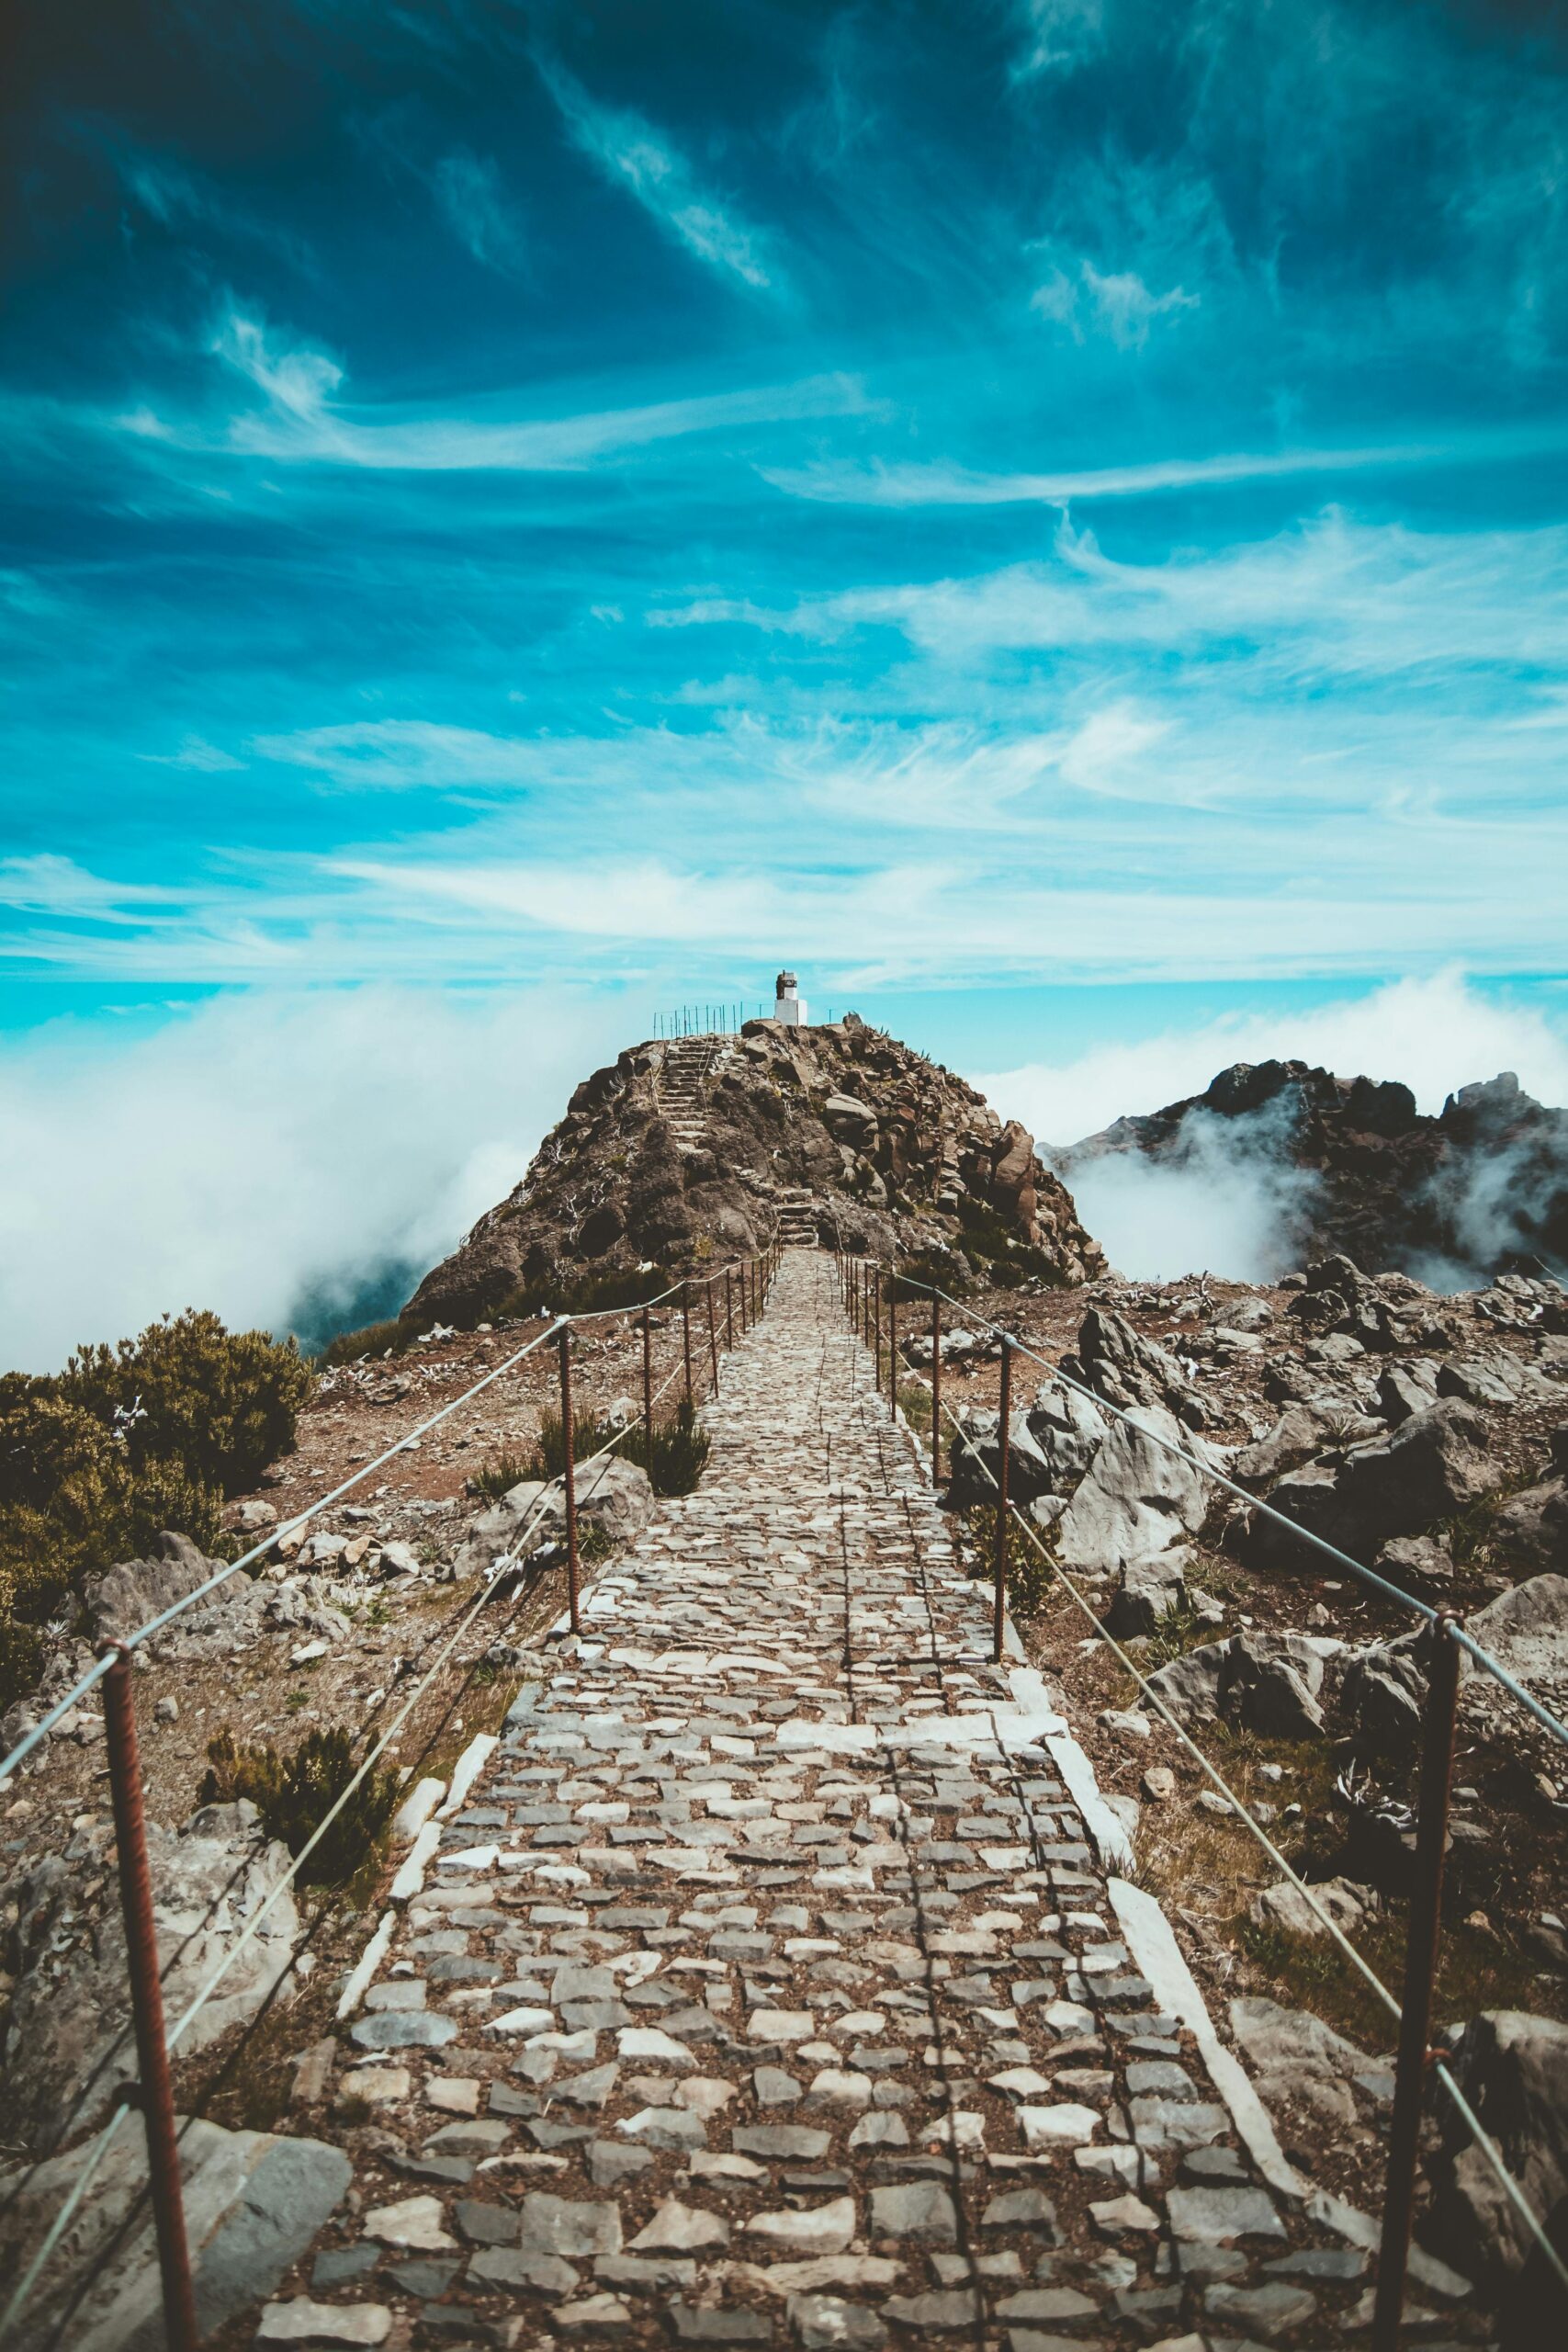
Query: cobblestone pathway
(767, 1986)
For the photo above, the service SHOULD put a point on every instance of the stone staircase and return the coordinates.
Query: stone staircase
(683, 1085)
(798, 1218)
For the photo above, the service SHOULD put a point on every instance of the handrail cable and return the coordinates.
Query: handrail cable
(1482, 2139)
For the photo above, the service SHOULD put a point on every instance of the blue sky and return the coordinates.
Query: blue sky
(1050, 517)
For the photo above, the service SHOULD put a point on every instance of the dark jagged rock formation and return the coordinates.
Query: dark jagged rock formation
(700, 1149)
(1482, 1189)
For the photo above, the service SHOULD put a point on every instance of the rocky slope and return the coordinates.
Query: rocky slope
(706, 1148)
(1479, 1190)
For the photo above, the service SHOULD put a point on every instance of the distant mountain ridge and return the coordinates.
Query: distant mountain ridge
(1482, 1188)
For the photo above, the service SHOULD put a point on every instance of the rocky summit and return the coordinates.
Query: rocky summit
(1479, 1190)
(692, 1148)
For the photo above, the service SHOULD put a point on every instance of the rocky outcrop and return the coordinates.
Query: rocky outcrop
(1433, 1465)
(1268, 1683)
(685, 1153)
(67, 2042)
(1482, 1188)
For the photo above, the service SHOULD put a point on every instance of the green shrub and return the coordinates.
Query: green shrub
(221, 1403)
(1027, 1570)
(501, 1474)
(678, 1454)
(293, 1794)
(589, 1294)
(126, 1442)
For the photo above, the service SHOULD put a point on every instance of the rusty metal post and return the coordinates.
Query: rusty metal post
(568, 1477)
(728, 1311)
(713, 1342)
(891, 1340)
(936, 1391)
(1423, 1932)
(686, 1343)
(648, 1386)
(999, 1610)
(876, 1322)
(155, 2096)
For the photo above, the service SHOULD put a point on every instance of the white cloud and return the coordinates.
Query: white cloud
(1106, 745)
(248, 1149)
(478, 212)
(1126, 307)
(632, 155)
(1433, 1034)
(395, 754)
(843, 482)
(197, 752)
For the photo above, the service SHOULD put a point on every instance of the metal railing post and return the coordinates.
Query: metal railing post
(1003, 1434)
(686, 1346)
(568, 1478)
(1423, 1932)
(728, 1311)
(647, 1387)
(155, 2095)
(876, 1323)
(713, 1342)
(936, 1390)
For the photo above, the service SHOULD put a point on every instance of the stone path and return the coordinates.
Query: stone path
(767, 1987)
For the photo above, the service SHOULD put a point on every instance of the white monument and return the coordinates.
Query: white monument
(789, 1006)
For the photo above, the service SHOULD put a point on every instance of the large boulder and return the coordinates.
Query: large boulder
(1149, 1588)
(1267, 1683)
(976, 1464)
(1067, 1428)
(130, 1593)
(1532, 1530)
(1526, 1630)
(1301, 1432)
(253, 2204)
(1142, 1493)
(612, 1494)
(1433, 1466)
(1513, 2069)
(67, 2044)
(1125, 1369)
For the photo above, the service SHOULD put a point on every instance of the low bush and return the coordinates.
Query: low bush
(677, 1455)
(126, 1442)
(1027, 1570)
(294, 1795)
(586, 1294)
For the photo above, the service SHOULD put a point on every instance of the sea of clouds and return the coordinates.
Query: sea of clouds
(297, 1160)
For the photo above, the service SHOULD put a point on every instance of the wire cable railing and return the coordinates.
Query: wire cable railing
(861, 1285)
(746, 1282)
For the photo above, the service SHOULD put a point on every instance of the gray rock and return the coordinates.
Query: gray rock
(613, 1495)
(126, 1596)
(780, 2142)
(71, 2004)
(1137, 1500)
(1416, 1562)
(1513, 2068)
(1268, 1683)
(1285, 1905)
(1267, 2310)
(403, 2029)
(1067, 1430)
(1122, 1367)
(1526, 1630)
(976, 1461)
(1299, 2064)
(1435, 1464)
(253, 2204)
(569, 2225)
(539, 2273)
(921, 2211)
(1531, 1529)
(1216, 2216)
(1406, 1386)
(1022, 2209)
(1148, 1590)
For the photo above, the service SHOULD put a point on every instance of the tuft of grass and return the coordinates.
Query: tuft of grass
(915, 1401)
(370, 1340)
(1029, 1579)
(501, 1474)
(294, 1794)
(674, 1453)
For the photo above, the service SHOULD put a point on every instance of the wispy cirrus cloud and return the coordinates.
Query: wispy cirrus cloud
(302, 420)
(480, 212)
(632, 155)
